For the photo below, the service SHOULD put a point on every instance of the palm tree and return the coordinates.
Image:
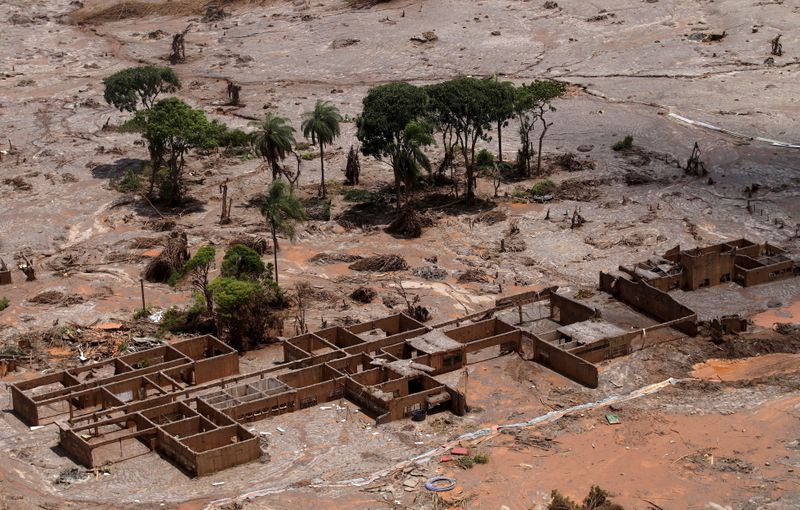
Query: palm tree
(408, 156)
(272, 140)
(321, 125)
(281, 209)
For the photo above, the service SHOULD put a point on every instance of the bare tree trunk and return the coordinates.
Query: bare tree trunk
(322, 166)
(274, 248)
(539, 156)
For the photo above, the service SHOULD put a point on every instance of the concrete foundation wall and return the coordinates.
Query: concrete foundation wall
(649, 300)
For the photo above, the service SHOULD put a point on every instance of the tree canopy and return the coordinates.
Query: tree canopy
(127, 88)
(172, 128)
(242, 263)
(272, 140)
(464, 105)
(390, 126)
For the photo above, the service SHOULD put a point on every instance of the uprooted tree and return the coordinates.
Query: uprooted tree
(128, 88)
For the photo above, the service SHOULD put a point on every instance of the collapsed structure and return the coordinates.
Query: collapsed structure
(187, 400)
(740, 261)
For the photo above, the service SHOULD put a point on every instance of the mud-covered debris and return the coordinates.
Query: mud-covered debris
(426, 37)
(333, 258)
(550, 5)
(214, 13)
(380, 264)
(409, 224)
(72, 475)
(512, 241)
(492, 217)
(420, 313)
(161, 225)
(344, 43)
(170, 260)
(432, 272)
(637, 178)
(579, 190)
(257, 243)
(474, 276)
(363, 295)
(568, 162)
(18, 183)
(55, 297)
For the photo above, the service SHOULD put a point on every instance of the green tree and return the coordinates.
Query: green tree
(272, 140)
(465, 106)
(502, 97)
(545, 91)
(281, 209)
(243, 308)
(198, 268)
(242, 263)
(390, 127)
(172, 128)
(321, 125)
(127, 88)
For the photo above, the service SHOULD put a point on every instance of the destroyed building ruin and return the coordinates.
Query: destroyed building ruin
(187, 400)
(740, 261)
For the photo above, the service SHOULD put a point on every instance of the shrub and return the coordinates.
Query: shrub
(3, 303)
(141, 313)
(307, 155)
(130, 182)
(484, 159)
(241, 261)
(358, 195)
(624, 144)
(542, 188)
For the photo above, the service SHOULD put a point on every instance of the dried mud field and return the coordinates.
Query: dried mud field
(723, 434)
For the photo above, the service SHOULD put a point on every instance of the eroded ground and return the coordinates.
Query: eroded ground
(720, 438)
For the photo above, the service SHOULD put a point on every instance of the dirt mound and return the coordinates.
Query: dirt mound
(170, 261)
(363, 295)
(380, 264)
(55, 297)
(257, 243)
(409, 224)
(474, 276)
(333, 258)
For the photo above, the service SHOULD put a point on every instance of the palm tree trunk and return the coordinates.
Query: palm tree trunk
(274, 248)
(322, 166)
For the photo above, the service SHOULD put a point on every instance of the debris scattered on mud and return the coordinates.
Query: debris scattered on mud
(380, 264)
(170, 260)
(363, 295)
(432, 272)
(55, 297)
(409, 224)
(491, 217)
(333, 258)
(257, 243)
(474, 275)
